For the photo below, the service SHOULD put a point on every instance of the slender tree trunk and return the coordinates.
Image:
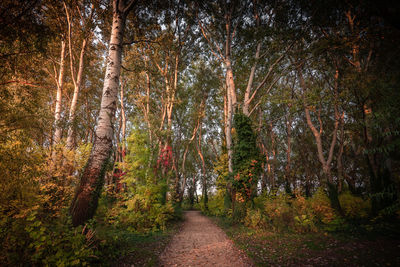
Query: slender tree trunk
(77, 87)
(88, 191)
(326, 163)
(230, 87)
(288, 169)
(247, 99)
(204, 173)
(339, 157)
(273, 161)
(184, 160)
(147, 109)
(60, 85)
(123, 119)
(231, 97)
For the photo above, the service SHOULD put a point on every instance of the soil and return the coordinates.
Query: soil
(202, 243)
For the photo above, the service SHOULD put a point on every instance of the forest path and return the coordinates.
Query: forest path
(202, 243)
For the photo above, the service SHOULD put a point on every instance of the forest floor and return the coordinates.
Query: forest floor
(202, 243)
(268, 248)
(140, 249)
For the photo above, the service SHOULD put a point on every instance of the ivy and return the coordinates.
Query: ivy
(246, 159)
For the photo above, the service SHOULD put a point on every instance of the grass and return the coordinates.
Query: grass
(267, 248)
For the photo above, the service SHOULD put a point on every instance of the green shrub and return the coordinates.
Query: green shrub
(216, 205)
(34, 241)
(141, 212)
(354, 207)
(59, 244)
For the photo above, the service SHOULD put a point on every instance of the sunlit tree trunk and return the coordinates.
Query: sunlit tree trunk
(60, 85)
(77, 81)
(74, 102)
(231, 90)
(88, 191)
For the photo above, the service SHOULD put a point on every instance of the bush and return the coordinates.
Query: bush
(321, 207)
(59, 244)
(255, 219)
(35, 241)
(354, 207)
(304, 217)
(278, 212)
(281, 212)
(35, 228)
(141, 212)
(216, 205)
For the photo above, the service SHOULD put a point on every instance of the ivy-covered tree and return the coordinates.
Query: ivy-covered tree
(247, 160)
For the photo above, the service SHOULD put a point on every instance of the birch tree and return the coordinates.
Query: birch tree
(88, 190)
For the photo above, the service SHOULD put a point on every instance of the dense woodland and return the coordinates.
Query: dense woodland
(117, 115)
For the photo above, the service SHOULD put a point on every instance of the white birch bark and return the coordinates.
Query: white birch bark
(88, 191)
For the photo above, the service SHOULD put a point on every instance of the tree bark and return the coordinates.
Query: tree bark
(231, 97)
(60, 85)
(88, 191)
(74, 102)
(77, 81)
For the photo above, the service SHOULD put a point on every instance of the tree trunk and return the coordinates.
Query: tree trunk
(273, 161)
(339, 157)
(230, 87)
(231, 97)
(288, 170)
(204, 173)
(60, 85)
(182, 191)
(74, 102)
(326, 163)
(247, 99)
(122, 146)
(88, 191)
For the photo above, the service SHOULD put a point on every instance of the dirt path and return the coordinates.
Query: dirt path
(202, 243)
